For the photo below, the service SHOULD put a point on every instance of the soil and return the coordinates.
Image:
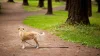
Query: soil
(10, 44)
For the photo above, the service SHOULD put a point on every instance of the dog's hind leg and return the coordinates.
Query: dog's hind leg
(23, 44)
(37, 44)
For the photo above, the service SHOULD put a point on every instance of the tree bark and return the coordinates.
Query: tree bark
(10, 0)
(98, 2)
(78, 12)
(57, 0)
(89, 8)
(67, 3)
(0, 8)
(63, 0)
(99, 7)
(41, 3)
(49, 11)
(25, 2)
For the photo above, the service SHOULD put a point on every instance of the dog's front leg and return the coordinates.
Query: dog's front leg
(23, 45)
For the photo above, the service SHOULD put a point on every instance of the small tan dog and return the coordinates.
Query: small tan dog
(28, 36)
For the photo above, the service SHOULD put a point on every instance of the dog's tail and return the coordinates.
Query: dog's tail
(41, 36)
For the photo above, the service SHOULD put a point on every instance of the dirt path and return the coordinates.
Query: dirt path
(10, 44)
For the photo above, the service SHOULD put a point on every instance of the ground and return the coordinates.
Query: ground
(51, 45)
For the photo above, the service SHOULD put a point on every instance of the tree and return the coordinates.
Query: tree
(57, 0)
(98, 2)
(67, 3)
(0, 8)
(78, 12)
(25, 2)
(49, 11)
(10, 0)
(41, 3)
(89, 8)
(63, 0)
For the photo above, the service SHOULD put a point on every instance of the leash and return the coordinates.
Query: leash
(29, 43)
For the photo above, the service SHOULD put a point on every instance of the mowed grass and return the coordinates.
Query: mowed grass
(33, 5)
(46, 21)
(86, 35)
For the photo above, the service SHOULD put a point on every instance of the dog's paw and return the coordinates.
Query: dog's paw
(23, 47)
(36, 47)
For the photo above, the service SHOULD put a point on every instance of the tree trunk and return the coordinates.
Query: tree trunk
(98, 2)
(78, 12)
(0, 8)
(63, 0)
(57, 0)
(89, 8)
(41, 3)
(99, 7)
(67, 3)
(10, 0)
(25, 2)
(49, 7)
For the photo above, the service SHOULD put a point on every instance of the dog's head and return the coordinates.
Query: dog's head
(21, 29)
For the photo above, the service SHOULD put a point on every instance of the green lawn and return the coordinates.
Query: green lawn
(33, 5)
(86, 35)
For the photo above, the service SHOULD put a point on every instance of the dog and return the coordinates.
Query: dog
(29, 36)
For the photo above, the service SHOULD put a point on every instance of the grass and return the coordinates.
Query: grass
(33, 5)
(86, 35)
(46, 20)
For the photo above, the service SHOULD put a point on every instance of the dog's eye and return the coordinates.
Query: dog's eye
(23, 28)
(18, 28)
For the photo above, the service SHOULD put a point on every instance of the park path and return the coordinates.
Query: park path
(51, 45)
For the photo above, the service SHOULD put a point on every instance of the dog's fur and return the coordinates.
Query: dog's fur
(28, 36)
